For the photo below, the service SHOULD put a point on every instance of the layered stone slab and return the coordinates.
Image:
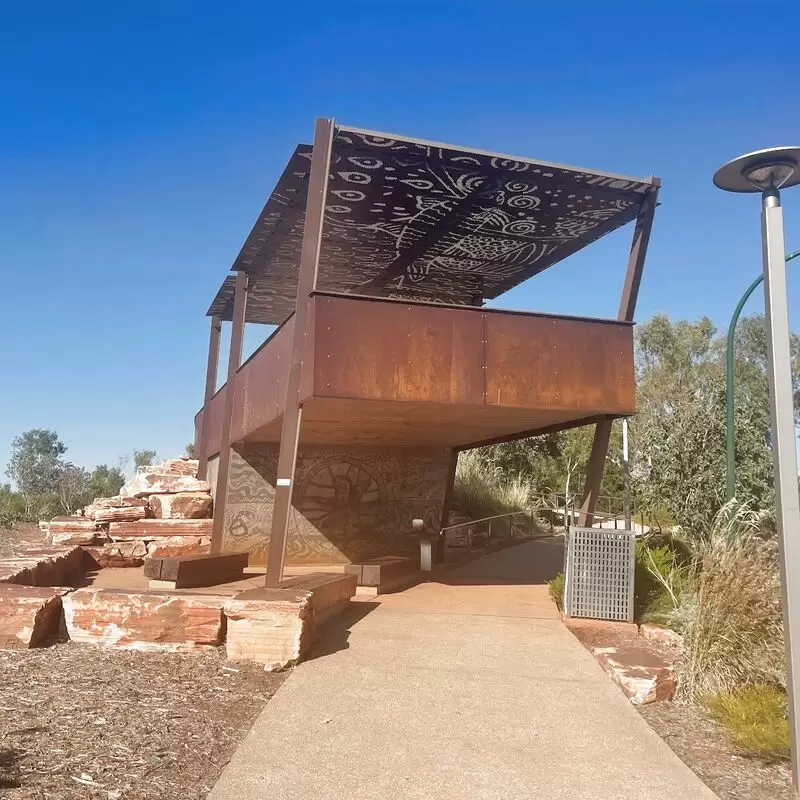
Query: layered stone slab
(119, 554)
(277, 627)
(383, 574)
(191, 571)
(145, 620)
(178, 546)
(155, 528)
(330, 592)
(186, 505)
(30, 616)
(274, 627)
(73, 530)
(147, 483)
(44, 566)
(120, 514)
(172, 466)
(643, 676)
(103, 503)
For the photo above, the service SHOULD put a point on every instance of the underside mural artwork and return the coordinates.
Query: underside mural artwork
(348, 504)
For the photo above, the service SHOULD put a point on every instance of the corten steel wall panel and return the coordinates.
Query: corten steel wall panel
(260, 384)
(215, 411)
(569, 364)
(393, 351)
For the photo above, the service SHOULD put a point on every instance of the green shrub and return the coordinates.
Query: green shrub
(657, 572)
(556, 587)
(755, 718)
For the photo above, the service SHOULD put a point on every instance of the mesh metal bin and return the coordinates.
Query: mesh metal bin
(599, 574)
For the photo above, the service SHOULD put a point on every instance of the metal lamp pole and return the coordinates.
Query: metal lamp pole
(768, 171)
(730, 435)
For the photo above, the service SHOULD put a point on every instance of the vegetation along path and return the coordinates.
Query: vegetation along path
(466, 687)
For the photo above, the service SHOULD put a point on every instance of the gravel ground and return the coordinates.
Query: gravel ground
(84, 722)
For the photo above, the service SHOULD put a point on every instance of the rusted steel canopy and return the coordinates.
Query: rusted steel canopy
(425, 221)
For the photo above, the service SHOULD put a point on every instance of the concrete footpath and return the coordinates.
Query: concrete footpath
(469, 688)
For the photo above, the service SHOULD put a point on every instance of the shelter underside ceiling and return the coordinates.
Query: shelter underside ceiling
(404, 424)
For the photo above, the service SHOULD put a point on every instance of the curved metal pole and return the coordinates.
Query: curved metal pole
(730, 442)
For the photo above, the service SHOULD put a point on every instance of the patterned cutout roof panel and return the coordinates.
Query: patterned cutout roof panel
(423, 221)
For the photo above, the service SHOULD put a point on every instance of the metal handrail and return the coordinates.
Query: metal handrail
(474, 522)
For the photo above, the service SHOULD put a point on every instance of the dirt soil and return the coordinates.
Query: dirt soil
(703, 746)
(23, 535)
(698, 741)
(84, 722)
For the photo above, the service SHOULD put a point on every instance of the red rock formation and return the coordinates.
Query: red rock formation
(144, 620)
(121, 514)
(30, 616)
(155, 528)
(186, 505)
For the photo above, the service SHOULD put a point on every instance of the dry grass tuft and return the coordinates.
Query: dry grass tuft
(483, 491)
(755, 718)
(730, 613)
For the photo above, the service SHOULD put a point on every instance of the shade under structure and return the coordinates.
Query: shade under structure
(424, 221)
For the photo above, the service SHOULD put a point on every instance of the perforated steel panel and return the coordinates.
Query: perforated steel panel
(599, 574)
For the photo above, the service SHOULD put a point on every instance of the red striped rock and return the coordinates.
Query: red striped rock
(155, 528)
(121, 514)
(104, 503)
(144, 620)
(30, 616)
(643, 676)
(44, 566)
(118, 502)
(173, 466)
(274, 627)
(119, 554)
(147, 483)
(76, 537)
(186, 505)
(178, 546)
(72, 530)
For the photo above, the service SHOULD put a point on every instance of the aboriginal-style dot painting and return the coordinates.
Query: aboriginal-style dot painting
(425, 222)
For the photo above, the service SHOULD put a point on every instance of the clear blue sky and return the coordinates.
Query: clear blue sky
(138, 142)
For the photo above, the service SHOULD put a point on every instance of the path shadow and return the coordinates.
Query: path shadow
(336, 633)
(531, 563)
(8, 763)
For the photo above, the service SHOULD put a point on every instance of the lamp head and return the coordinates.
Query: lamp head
(761, 171)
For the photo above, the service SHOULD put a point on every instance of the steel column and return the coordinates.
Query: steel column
(225, 450)
(784, 451)
(211, 385)
(306, 283)
(627, 308)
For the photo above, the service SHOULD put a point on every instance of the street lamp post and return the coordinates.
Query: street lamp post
(730, 435)
(768, 171)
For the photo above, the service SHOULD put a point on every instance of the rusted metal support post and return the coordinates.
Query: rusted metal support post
(225, 450)
(306, 283)
(627, 308)
(211, 385)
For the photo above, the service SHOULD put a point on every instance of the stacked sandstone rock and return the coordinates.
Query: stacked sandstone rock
(165, 510)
